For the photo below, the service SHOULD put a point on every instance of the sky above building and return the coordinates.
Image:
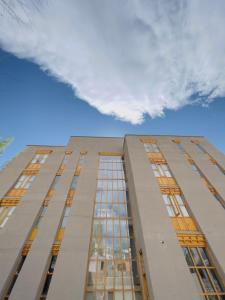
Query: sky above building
(111, 68)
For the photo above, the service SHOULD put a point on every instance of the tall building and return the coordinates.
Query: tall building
(139, 217)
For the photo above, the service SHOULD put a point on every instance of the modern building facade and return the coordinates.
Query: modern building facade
(139, 217)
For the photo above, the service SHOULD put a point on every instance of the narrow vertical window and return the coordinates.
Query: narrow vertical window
(112, 268)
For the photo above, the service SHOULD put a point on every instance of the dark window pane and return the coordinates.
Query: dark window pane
(215, 280)
(196, 257)
(204, 277)
(187, 256)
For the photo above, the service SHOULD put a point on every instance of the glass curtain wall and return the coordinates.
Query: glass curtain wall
(112, 269)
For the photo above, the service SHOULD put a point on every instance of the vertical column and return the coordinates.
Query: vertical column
(71, 266)
(11, 173)
(215, 153)
(33, 271)
(14, 234)
(165, 266)
(207, 212)
(210, 171)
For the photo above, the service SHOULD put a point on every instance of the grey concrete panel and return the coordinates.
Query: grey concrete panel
(11, 173)
(167, 272)
(29, 279)
(17, 229)
(210, 171)
(215, 153)
(98, 144)
(71, 267)
(208, 213)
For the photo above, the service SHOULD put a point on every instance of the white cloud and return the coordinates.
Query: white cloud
(124, 57)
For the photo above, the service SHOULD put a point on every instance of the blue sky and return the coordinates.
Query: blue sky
(109, 68)
(38, 109)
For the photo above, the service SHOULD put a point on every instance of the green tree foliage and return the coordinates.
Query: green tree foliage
(4, 143)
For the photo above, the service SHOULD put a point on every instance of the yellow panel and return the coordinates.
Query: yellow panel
(26, 249)
(33, 167)
(55, 248)
(78, 169)
(50, 193)
(16, 193)
(144, 283)
(183, 224)
(68, 152)
(43, 151)
(195, 141)
(176, 141)
(7, 201)
(156, 157)
(60, 170)
(83, 152)
(33, 234)
(110, 153)
(71, 193)
(167, 182)
(191, 240)
(29, 172)
(148, 141)
(60, 234)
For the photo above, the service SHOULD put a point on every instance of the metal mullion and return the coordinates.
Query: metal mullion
(211, 280)
(200, 281)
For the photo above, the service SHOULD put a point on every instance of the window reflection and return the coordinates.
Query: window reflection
(112, 263)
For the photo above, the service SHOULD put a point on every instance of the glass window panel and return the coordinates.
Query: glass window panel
(196, 257)
(116, 228)
(98, 196)
(138, 296)
(117, 248)
(196, 280)
(170, 211)
(123, 210)
(90, 296)
(205, 279)
(179, 199)
(215, 280)
(184, 211)
(187, 256)
(123, 227)
(110, 228)
(204, 256)
(166, 199)
(116, 210)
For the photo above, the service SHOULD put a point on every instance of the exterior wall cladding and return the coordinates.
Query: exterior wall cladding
(139, 217)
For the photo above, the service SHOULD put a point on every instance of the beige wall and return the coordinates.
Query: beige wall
(165, 265)
(16, 231)
(167, 272)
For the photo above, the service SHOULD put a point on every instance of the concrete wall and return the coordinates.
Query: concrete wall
(71, 266)
(167, 272)
(16, 231)
(208, 213)
(32, 276)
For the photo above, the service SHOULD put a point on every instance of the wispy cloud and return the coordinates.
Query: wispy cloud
(126, 58)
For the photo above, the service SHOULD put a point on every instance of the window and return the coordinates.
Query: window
(74, 182)
(161, 170)
(175, 206)
(151, 147)
(5, 213)
(65, 216)
(204, 273)
(24, 181)
(48, 277)
(55, 182)
(39, 159)
(112, 266)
